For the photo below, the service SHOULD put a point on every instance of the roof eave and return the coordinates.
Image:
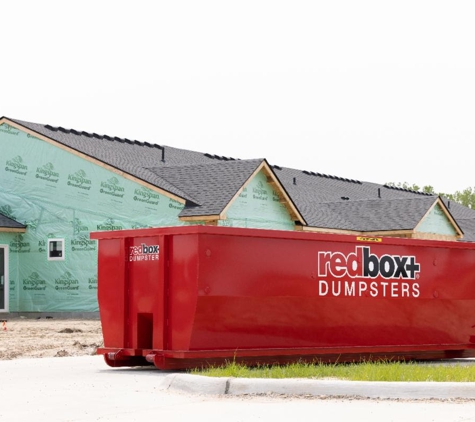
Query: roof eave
(13, 229)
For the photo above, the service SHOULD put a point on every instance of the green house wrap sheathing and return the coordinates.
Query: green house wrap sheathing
(436, 222)
(59, 195)
(258, 206)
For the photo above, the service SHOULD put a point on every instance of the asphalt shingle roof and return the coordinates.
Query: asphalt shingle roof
(468, 228)
(213, 184)
(316, 188)
(132, 157)
(7, 222)
(370, 215)
(207, 182)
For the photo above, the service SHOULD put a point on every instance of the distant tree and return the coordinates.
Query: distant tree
(465, 197)
(417, 188)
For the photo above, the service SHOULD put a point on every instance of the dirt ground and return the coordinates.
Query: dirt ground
(36, 338)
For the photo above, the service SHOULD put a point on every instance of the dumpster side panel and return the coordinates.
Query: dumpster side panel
(183, 289)
(146, 258)
(255, 292)
(111, 291)
(267, 296)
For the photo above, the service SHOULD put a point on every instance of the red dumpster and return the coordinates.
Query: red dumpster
(183, 297)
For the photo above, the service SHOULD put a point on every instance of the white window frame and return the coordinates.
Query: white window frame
(63, 250)
(6, 282)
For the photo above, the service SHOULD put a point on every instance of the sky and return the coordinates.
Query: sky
(378, 91)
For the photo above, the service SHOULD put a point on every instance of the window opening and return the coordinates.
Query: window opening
(55, 249)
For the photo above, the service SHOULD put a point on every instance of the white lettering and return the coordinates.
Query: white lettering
(349, 288)
(394, 290)
(362, 287)
(374, 289)
(363, 263)
(337, 288)
(323, 288)
(335, 291)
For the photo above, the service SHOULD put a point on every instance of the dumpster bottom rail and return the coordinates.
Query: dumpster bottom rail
(117, 358)
(189, 359)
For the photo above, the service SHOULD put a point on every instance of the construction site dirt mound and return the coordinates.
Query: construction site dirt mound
(48, 337)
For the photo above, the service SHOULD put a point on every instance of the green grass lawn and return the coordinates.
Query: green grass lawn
(365, 371)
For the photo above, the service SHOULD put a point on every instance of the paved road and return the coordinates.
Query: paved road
(85, 389)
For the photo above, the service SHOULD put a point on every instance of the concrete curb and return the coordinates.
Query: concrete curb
(198, 384)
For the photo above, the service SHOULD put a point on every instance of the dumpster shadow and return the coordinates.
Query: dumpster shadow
(142, 371)
(449, 362)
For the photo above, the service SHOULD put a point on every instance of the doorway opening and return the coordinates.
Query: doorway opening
(3, 278)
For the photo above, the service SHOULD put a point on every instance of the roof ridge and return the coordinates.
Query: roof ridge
(219, 157)
(97, 136)
(408, 190)
(208, 164)
(377, 200)
(328, 176)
